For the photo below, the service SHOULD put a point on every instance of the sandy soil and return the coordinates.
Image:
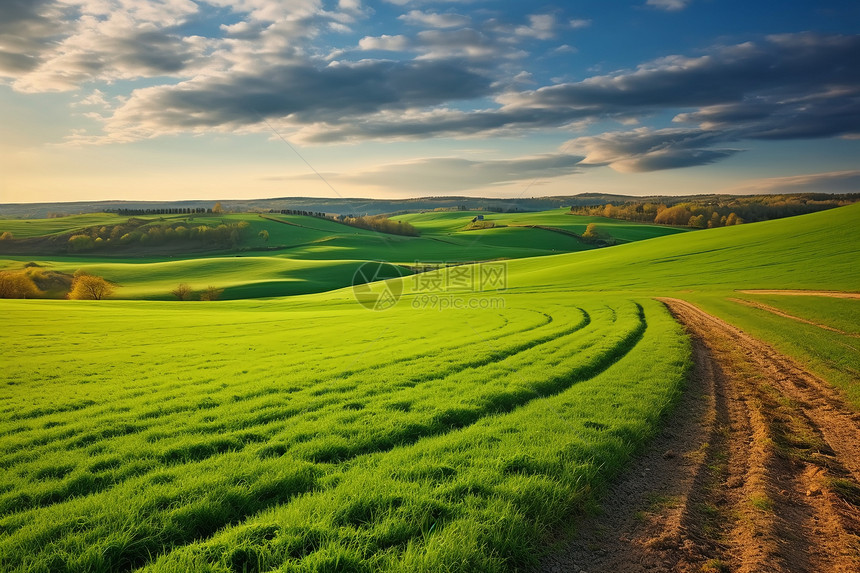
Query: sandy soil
(758, 469)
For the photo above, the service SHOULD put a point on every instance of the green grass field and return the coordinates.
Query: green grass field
(37, 227)
(455, 431)
(457, 221)
(301, 254)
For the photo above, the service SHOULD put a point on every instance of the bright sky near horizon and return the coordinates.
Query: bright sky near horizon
(185, 99)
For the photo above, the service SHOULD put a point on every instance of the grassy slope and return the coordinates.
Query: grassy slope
(819, 251)
(240, 277)
(171, 444)
(558, 218)
(22, 228)
(312, 434)
(311, 255)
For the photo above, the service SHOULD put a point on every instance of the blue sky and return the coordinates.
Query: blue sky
(174, 99)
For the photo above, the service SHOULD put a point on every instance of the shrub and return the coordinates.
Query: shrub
(89, 287)
(211, 293)
(80, 243)
(17, 285)
(182, 292)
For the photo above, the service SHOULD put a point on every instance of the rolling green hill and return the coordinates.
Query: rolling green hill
(451, 431)
(622, 231)
(292, 254)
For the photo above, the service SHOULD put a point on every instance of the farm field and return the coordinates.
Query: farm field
(623, 231)
(298, 255)
(455, 431)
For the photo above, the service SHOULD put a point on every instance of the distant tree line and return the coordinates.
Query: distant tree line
(318, 214)
(162, 211)
(140, 232)
(379, 223)
(716, 211)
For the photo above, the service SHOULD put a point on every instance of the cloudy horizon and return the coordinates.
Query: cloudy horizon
(161, 99)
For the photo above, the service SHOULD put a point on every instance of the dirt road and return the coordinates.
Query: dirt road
(758, 470)
(778, 312)
(828, 293)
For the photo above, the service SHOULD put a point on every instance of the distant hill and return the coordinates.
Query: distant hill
(367, 206)
(349, 205)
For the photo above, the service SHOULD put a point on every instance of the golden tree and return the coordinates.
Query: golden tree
(90, 287)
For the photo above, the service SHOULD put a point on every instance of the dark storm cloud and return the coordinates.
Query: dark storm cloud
(782, 66)
(151, 52)
(304, 93)
(652, 150)
(783, 87)
(26, 29)
(789, 87)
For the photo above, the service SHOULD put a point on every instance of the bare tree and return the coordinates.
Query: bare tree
(211, 293)
(182, 292)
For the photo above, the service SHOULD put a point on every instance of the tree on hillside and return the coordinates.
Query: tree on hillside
(592, 233)
(89, 287)
(6, 236)
(182, 292)
(17, 285)
(677, 215)
(81, 243)
(218, 209)
(211, 293)
(698, 221)
(264, 234)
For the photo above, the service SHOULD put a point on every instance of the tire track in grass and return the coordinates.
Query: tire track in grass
(78, 484)
(463, 414)
(547, 388)
(121, 555)
(762, 472)
(99, 535)
(42, 412)
(440, 507)
(18, 415)
(84, 484)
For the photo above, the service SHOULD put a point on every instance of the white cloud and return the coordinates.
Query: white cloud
(386, 43)
(96, 98)
(434, 20)
(540, 26)
(669, 5)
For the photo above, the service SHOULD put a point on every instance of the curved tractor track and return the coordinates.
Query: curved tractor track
(758, 470)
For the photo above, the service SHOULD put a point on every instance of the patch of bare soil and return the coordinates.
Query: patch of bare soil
(778, 312)
(830, 293)
(758, 469)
